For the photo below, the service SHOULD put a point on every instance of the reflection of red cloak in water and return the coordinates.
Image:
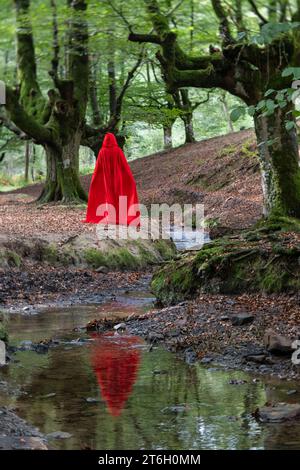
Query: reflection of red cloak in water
(112, 178)
(116, 361)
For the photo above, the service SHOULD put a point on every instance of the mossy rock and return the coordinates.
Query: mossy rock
(131, 257)
(86, 250)
(230, 266)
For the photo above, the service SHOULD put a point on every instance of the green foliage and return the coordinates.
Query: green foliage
(236, 113)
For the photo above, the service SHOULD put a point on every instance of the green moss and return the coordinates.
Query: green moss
(146, 257)
(94, 257)
(227, 150)
(248, 150)
(10, 258)
(3, 333)
(121, 258)
(230, 266)
(165, 248)
(50, 253)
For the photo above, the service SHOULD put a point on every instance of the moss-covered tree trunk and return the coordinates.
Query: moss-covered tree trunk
(57, 121)
(189, 128)
(62, 181)
(279, 161)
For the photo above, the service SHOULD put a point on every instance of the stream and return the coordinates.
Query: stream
(109, 391)
(112, 391)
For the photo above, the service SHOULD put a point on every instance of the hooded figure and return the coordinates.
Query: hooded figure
(111, 179)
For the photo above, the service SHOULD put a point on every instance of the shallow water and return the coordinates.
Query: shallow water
(188, 239)
(110, 392)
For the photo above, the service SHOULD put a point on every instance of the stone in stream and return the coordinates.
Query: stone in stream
(258, 358)
(237, 382)
(49, 395)
(92, 400)
(59, 435)
(291, 392)
(277, 344)
(120, 326)
(26, 345)
(190, 356)
(206, 360)
(239, 319)
(278, 412)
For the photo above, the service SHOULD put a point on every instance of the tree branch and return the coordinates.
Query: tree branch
(55, 58)
(11, 126)
(79, 63)
(30, 93)
(25, 122)
(257, 12)
(224, 25)
(117, 115)
(151, 38)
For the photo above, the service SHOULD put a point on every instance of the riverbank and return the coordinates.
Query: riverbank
(40, 287)
(252, 333)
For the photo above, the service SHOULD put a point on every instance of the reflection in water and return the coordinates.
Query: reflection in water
(116, 360)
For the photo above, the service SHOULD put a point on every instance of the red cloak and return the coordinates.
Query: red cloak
(111, 179)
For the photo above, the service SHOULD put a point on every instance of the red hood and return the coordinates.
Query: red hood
(110, 140)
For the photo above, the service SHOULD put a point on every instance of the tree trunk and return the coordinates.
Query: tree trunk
(227, 114)
(189, 128)
(167, 137)
(33, 162)
(279, 161)
(62, 181)
(27, 158)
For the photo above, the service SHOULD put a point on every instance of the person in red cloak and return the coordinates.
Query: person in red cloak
(111, 179)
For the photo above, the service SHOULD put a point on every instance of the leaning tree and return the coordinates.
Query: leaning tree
(55, 122)
(257, 69)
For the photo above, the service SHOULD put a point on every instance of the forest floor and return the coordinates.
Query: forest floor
(223, 174)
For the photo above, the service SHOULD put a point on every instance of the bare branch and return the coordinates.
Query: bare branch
(152, 38)
(55, 59)
(224, 24)
(257, 12)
